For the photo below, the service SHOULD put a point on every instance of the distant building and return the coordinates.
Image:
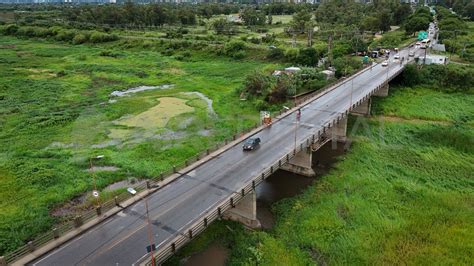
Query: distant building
(434, 59)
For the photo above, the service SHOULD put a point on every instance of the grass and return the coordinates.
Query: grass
(55, 114)
(426, 104)
(403, 194)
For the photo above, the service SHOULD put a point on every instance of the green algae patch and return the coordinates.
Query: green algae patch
(152, 119)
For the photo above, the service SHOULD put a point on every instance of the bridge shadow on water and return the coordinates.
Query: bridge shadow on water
(283, 184)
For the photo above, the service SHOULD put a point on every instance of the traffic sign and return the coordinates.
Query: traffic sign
(95, 193)
(422, 35)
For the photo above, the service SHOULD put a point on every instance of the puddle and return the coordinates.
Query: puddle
(58, 144)
(109, 143)
(140, 89)
(102, 169)
(205, 98)
(131, 182)
(214, 255)
(205, 132)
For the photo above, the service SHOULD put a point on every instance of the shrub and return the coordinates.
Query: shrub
(255, 40)
(235, 49)
(308, 57)
(109, 53)
(98, 37)
(443, 77)
(275, 53)
(346, 65)
(258, 84)
(291, 55)
(65, 35)
(26, 32)
(9, 29)
(80, 38)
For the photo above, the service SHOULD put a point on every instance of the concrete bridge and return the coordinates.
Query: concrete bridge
(224, 185)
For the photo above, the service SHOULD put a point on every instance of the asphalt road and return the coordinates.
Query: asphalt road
(121, 240)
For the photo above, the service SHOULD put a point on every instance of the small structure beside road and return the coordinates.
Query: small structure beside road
(434, 59)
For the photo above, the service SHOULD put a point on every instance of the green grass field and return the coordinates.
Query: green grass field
(56, 113)
(403, 194)
(426, 104)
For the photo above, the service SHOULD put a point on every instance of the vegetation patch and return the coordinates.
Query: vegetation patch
(153, 118)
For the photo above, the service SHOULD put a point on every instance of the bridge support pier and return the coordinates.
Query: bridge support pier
(339, 131)
(245, 211)
(363, 108)
(383, 91)
(301, 164)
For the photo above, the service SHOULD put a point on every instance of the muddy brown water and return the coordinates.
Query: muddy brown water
(278, 186)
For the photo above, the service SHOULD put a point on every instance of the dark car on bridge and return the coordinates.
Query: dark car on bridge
(251, 144)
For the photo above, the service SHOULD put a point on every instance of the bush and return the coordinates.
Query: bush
(258, 84)
(255, 40)
(98, 37)
(9, 29)
(346, 65)
(443, 77)
(308, 57)
(80, 38)
(26, 32)
(65, 35)
(109, 53)
(235, 49)
(276, 53)
(291, 55)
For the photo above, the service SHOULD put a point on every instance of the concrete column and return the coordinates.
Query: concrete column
(383, 91)
(301, 164)
(245, 211)
(339, 131)
(363, 108)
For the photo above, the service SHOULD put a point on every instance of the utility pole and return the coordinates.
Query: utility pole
(330, 49)
(95, 193)
(149, 232)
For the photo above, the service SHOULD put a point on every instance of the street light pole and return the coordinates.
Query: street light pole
(352, 90)
(94, 178)
(149, 232)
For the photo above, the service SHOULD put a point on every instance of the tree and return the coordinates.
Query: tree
(301, 20)
(308, 57)
(416, 23)
(222, 26)
(469, 10)
(384, 18)
(401, 13)
(369, 23)
(252, 17)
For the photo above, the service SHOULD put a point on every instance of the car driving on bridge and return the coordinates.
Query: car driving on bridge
(251, 144)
